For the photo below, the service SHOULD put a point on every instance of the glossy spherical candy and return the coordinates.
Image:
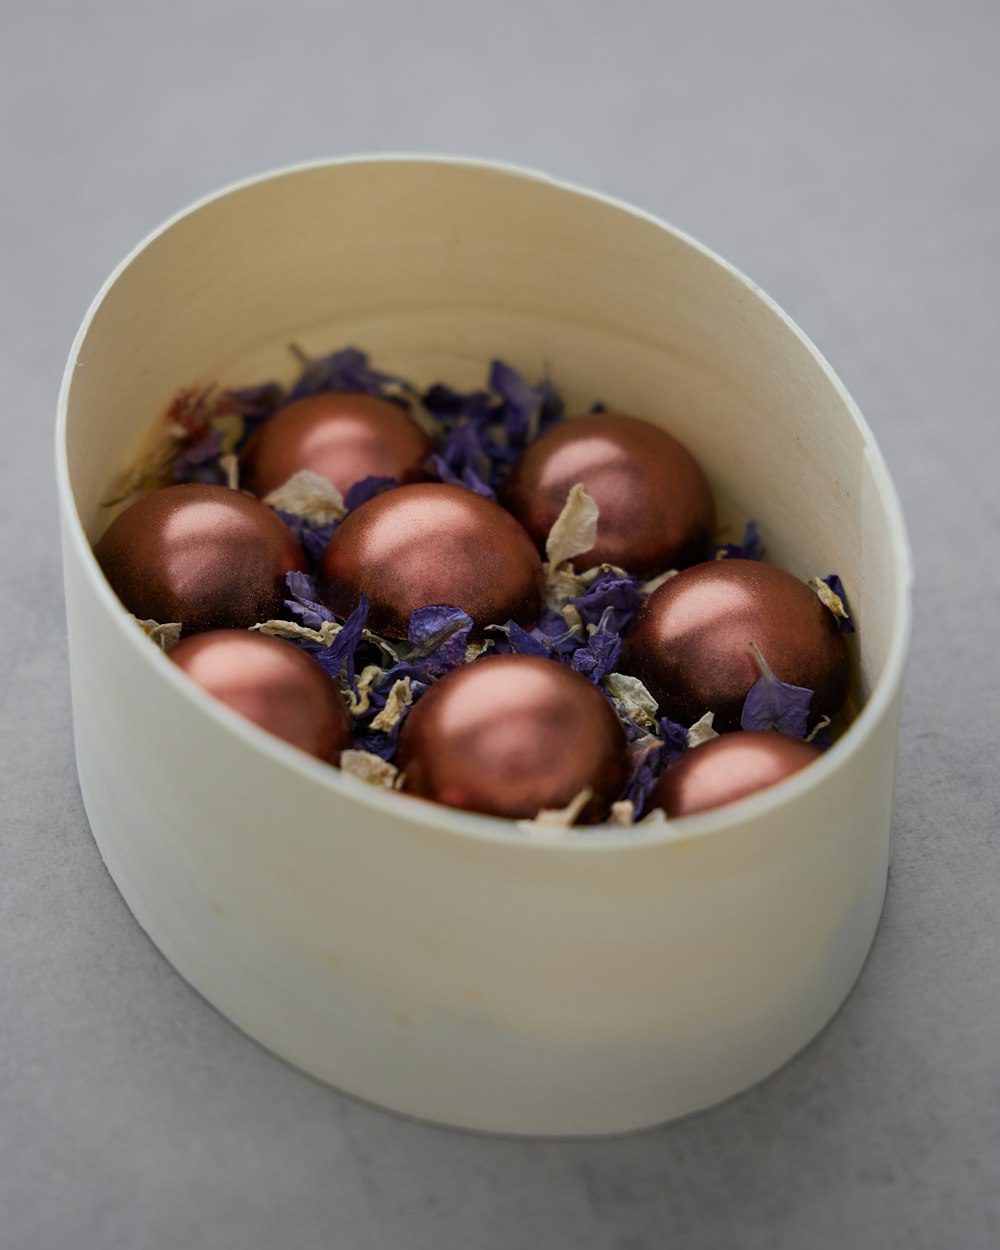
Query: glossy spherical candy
(342, 436)
(510, 734)
(656, 509)
(274, 684)
(690, 641)
(433, 545)
(728, 768)
(207, 556)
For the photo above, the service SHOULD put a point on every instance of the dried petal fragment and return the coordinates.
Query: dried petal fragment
(575, 528)
(165, 636)
(549, 820)
(773, 704)
(370, 768)
(400, 697)
(701, 731)
(310, 496)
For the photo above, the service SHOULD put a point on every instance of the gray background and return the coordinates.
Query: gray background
(844, 155)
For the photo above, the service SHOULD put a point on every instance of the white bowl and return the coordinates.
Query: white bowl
(445, 965)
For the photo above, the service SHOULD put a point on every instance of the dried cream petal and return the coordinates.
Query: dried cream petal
(370, 768)
(655, 817)
(622, 813)
(400, 697)
(548, 820)
(292, 629)
(575, 528)
(165, 636)
(828, 598)
(702, 731)
(310, 496)
(230, 466)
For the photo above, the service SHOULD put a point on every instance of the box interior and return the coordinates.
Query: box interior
(434, 269)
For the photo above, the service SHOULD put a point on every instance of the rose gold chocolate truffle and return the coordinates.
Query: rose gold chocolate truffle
(207, 556)
(690, 641)
(656, 510)
(342, 436)
(510, 734)
(726, 769)
(433, 545)
(272, 683)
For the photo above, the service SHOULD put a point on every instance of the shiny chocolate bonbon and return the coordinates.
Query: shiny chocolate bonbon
(655, 503)
(432, 544)
(206, 556)
(272, 683)
(511, 734)
(690, 641)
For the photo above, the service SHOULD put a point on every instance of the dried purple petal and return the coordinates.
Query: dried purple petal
(450, 406)
(645, 754)
(773, 704)
(199, 461)
(466, 474)
(367, 489)
(254, 404)
(837, 586)
(750, 548)
(558, 637)
(344, 370)
(675, 740)
(527, 410)
(339, 656)
(610, 591)
(483, 435)
(305, 602)
(600, 654)
(312, 539)
(438, 636)
(520, 641)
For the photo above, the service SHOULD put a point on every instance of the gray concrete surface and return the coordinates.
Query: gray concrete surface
(845, 156)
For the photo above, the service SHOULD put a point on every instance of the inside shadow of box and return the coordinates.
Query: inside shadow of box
(438, 963)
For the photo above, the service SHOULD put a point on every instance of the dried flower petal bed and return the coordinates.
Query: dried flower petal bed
(478, 435)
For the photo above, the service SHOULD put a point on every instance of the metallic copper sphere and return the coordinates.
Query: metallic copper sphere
(726, 769)
(272, 683)
(690, 641)
(510, 734)
(342, 436)
(207, 556)
(433, 545)
(656, 509)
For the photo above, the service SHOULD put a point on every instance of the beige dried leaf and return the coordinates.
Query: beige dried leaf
(165, 636)
(230, 466)
(549, 820)
(561, 585)
(828, 598)
(575, 528)
(292, 629)
(473, 650)
(634, 700)
(370, 768)
(702, 731)
(230, 427)
(310, 496)
(400, 697)
(368, 678)
(622, 813)
(655, 817)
